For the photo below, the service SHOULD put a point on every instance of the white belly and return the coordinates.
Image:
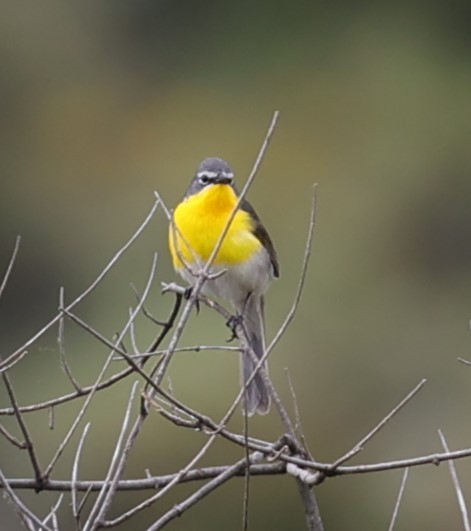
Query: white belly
(238, 281)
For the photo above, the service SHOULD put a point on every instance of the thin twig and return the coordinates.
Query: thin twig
(184, 471)
(60, 342)
(360, 445)
(132, 335)
(169, 324)
(102, 372)
(13, 358)
(75, 469)
(69, 396)
(53, 513)
(11, 438)
(399, 499)
(77, 419)
(194, 348)
(245, 506)
(84, 499)
(432, 459)
(145, 311)
(105, 497)
(245, 347)
(176, 479)
(7, 274)
(119, 465)
(297, 416)
(28, 442)
(26, 515)
(456, 485)
(304, 268)
(179, 509)
(103, 385)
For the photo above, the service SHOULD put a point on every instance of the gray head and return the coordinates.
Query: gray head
(211, 171)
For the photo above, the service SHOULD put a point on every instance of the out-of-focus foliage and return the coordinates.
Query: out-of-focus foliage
(103, 102)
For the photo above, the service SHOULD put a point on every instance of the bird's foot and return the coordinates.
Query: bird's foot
(187, 295)
(233, 322)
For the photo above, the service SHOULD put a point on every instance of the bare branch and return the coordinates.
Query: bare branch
(176, 479)
(311, 509)
(245, 506)
(360, 445)
(26, 515)
(307, 477)
(304, 269)
(70, 396)
(147, 483)
(456, 485)
(15, 356)
(169, 324)
(180, 508)
(298, 428)
(78, 418)
(75, 468)
(105, 497)
(245, 347)
(60, 342)
(11, 438)
(102, 372)
(106, 383)
(433, 459)
(28, 443)
(53, 513)
(7, 274)
(399, 499)
(51, 418)
(194, 348)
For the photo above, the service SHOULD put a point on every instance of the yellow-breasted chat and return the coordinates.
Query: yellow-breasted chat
(246, 255)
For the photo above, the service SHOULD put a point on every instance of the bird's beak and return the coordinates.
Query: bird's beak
(222, 179)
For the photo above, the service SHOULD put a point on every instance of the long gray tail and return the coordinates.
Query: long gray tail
(257, 394)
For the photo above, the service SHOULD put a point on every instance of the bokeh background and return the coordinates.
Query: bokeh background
(101, 103)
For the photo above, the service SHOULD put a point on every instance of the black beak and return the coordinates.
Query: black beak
(221, 179)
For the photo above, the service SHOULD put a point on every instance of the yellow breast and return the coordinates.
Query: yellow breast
(201, 219)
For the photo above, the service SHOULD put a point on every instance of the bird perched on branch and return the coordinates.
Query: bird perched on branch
(246, 256)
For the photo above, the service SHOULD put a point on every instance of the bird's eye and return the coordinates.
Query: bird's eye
(204, 179)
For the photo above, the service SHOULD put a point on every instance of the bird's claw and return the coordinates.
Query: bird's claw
(233, 322)
(187, 295)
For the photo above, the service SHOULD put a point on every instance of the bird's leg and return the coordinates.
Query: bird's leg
(188, 292)
(187, 295)
(236, 320)
(233, 322)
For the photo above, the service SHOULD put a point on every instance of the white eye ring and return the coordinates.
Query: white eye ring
(205, 177)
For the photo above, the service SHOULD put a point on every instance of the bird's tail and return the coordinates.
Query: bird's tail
(257, 395)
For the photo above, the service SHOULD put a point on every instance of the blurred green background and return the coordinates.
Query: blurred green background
(102, 103)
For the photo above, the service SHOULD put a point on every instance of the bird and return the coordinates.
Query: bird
(246, 260)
